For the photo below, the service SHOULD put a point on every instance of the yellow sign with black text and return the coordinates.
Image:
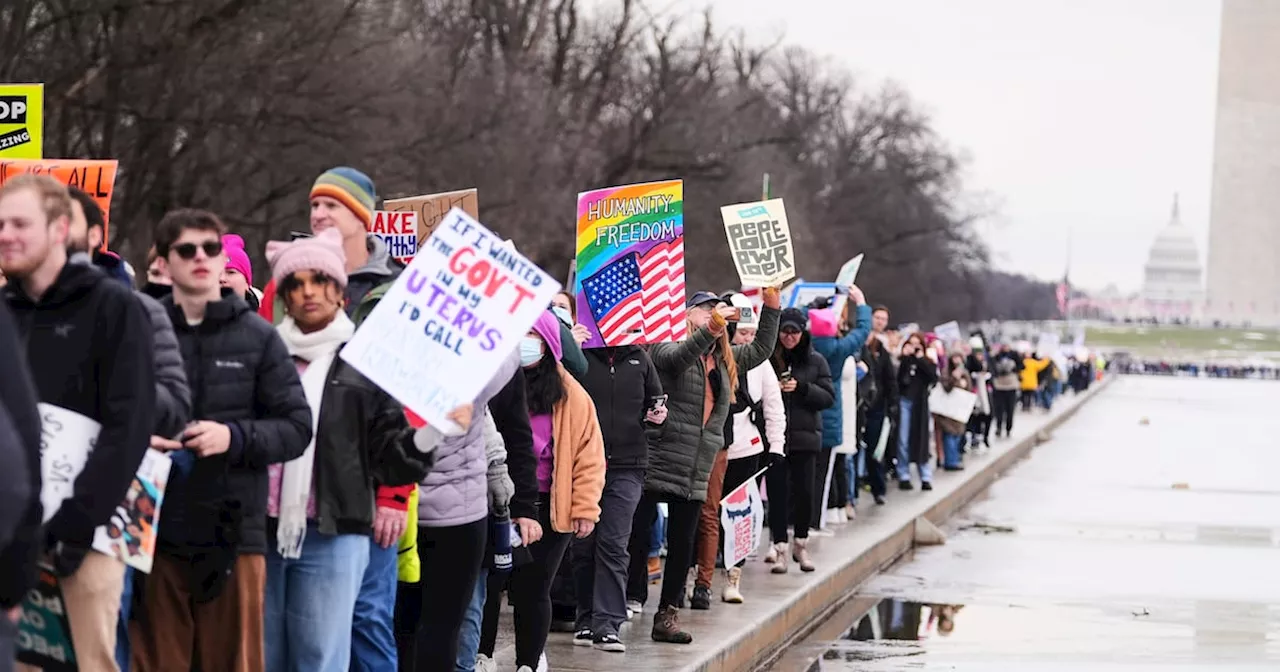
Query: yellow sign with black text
(21, 121)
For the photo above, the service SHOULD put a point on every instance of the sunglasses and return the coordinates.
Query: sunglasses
(212, 248)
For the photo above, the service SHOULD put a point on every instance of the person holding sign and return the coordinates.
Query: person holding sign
(571, 468)
(917, 374)
(700, 375)
(89, 347)
(202, 604)
(321, 505)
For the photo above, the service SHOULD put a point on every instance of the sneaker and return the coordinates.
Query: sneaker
(583, 637)
(701, 599)
(779, 553)
(486, 664)
(732, 593)
(800, 554)
(610, 643)
(850, 512)
(926, 486)
(879, 500)
(666, 627)
(822, 532)
(905, 485)
(634, 606)
(524, 668)
(543, 666)
(836, 516)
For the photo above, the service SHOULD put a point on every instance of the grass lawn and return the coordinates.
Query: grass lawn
(1147, 340)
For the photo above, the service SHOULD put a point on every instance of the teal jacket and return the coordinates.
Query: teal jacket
(837, 351)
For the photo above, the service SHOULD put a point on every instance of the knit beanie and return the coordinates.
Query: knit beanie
(351, 188)
(322, 252)
(237, 258)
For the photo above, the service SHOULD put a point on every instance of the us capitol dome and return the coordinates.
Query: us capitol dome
(1172, 287)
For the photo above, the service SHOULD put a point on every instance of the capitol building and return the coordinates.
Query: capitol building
(1172, 287)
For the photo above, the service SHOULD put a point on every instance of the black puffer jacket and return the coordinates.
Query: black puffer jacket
(241, 375)
(18, 397)
(362, 440)
(814, 393)
(622, 381)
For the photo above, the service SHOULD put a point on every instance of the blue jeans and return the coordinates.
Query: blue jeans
(122, 624)
(469, 633)
(904, 446)
(309, 602)
(951, 450)
(373, 637)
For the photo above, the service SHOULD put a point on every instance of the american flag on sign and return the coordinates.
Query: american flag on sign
(640, 298)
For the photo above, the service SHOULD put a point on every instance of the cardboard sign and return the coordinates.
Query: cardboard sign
(432, 208)
(21, 121)
(849, 272)
(742, 517)
(398, 230)
(96, 177)
(630, 264)
(44, 632)
(451, 318)
(130, 535)
(760, 242)
(948, 333)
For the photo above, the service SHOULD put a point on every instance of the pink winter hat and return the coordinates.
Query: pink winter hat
(237, 258)
(823, 323)
(322, 252)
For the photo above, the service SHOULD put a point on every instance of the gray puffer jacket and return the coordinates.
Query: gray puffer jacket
(680, 460)
(456, 491)
(173, 397)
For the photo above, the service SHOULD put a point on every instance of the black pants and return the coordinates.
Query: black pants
(791, 495)
(979, 426)
(451, 558)
(600, 562)
(1028, 399)
(530, 589)
(838, 493)
(682, 528)
(871, 438)
(736, 473)
(1002, 403)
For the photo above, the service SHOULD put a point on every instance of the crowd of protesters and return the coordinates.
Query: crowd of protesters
(311, 523)
(1194, 369)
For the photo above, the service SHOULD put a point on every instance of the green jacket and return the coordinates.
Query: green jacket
(681, 458)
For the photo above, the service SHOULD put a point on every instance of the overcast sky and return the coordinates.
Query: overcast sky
(1080, 114)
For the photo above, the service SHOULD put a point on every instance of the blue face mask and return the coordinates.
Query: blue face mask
(530, 351)
(563, 314)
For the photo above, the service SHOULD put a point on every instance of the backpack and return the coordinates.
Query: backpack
(1005, 366)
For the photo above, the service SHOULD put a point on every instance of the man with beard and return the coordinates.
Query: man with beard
(88, 344)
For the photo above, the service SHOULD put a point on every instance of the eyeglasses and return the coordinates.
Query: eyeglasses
(212, 248)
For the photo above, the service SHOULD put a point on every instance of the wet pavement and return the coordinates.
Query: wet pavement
(1144, 536)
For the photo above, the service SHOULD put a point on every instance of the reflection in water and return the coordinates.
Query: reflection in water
(899, 625)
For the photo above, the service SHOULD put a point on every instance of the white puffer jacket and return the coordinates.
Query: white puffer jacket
(762, 386)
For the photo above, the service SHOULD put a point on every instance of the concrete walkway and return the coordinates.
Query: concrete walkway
(781, 608)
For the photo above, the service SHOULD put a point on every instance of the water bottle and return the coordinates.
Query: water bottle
(500, 532)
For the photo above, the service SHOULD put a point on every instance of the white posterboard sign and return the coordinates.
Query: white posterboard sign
(956, 404)
(760, 242)
(1048, 344)
(742, 517)
(948, 333)
(66, 440)
(451, 318)
(849, 272)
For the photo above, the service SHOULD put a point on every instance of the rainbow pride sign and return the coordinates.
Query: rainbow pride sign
(630, 264)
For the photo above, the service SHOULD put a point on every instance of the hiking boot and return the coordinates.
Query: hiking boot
(771, 556)
(610, 643)
(666, 627)
(583, 637)
(732, 593)
(801, 555)
(701, 599)
(780, 553)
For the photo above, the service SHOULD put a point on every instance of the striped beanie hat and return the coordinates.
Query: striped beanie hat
(351, 188)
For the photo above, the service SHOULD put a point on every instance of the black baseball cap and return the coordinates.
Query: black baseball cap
(700, 298)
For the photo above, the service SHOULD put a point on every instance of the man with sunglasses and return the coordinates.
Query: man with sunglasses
(203, 602)
(88, 343)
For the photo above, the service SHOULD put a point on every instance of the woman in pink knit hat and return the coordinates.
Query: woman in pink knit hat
(238, 275)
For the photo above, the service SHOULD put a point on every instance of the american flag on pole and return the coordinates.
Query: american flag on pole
(640, 298)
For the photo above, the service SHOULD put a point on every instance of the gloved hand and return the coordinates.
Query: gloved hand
(774, 459)
(501, 489)
(426, 438)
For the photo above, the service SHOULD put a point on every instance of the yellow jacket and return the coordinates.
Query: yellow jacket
(409, 566)
(1031, 369)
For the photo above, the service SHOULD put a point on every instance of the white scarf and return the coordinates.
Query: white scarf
(318, 349)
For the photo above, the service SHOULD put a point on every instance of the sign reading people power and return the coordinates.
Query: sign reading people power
(454, 314)
(760, 242)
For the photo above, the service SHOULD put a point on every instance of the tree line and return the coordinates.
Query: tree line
(236, 106)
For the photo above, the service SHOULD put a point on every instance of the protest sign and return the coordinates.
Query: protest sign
(948, 333)
(131, 533)
(432, 208)
(96, 177)
(398, 230)
(849, 272)
(66, 440)
(760, 242)
(956, 404)
(44, 632)
(1047, 344)
(803, 293)
(630, 264)
(742, 517)
(444, 328)
(21, 121)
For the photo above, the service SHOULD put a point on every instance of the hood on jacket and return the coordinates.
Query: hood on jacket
(226, 309)
(74, 281)
(548, 327)
(823, 323)
(380, 262)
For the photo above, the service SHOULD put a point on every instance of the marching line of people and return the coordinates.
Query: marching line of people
(310, 523)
